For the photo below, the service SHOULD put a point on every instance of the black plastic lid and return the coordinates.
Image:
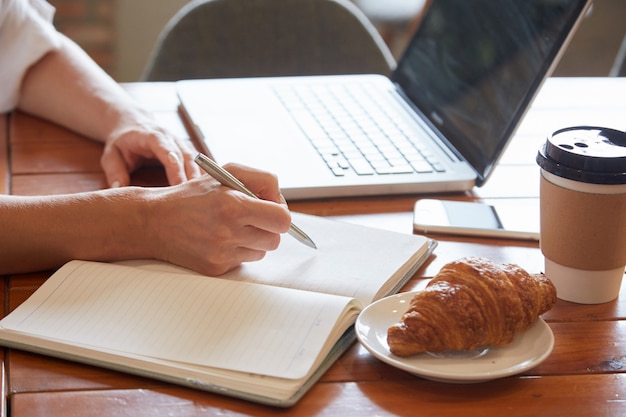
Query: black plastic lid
(590, 154)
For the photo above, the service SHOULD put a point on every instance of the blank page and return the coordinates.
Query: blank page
(351, 260)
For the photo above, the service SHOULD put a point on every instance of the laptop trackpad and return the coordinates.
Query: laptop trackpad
(257, 131)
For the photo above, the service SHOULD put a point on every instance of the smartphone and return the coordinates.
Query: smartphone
(514, 221)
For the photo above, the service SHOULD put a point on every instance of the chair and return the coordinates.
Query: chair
(619, 65)
(396, 20)
(246, 38)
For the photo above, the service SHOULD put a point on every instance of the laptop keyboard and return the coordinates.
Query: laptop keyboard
(353, 133)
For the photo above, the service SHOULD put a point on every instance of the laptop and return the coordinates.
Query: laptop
(439, 123)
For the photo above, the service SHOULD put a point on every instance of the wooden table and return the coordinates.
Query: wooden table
(583, 376)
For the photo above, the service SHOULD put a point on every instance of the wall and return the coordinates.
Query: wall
(595, 45)
(117, 34)
(138, 24)
(593, 49)
(120, 34)
(91, 24)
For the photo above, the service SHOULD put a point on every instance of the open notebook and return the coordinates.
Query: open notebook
(265, 332)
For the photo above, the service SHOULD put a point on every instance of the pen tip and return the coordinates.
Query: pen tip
(308, 242)
(297, 233)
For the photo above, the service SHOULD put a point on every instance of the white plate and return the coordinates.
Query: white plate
(527, 350)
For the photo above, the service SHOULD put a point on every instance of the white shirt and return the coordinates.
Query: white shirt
(26, 34)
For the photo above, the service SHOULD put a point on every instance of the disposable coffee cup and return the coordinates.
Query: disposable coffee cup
(583, 212)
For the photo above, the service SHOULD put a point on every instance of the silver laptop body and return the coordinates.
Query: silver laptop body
(438, 124)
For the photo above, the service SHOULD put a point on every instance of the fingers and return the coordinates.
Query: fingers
(174, 168)
(178, 164)
(115, 169)
(265, 216)
(219, 266)
(222, 258)
(261, 240)
(262, 183)
(126, 152)
(205, 226)
(253, 245)
(191, 168)
(214, 252)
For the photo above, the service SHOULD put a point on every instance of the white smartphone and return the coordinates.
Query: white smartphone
(477, 219)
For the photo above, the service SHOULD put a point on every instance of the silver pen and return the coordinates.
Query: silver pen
(227, 179)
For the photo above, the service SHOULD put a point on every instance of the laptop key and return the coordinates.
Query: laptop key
(362, 167)
(365, 143)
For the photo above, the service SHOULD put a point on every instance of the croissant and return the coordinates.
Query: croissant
(471, 303)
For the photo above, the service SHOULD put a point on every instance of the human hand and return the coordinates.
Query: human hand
(212, 229)
(129, 146)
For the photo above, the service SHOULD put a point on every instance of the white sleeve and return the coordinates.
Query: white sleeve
(26, 34)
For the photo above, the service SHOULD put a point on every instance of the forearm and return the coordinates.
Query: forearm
(39, 234)
(198, 224)
(68, 88)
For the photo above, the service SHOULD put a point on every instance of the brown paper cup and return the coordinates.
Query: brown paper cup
(583, 237)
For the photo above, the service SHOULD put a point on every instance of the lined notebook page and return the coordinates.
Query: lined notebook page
(186, 318)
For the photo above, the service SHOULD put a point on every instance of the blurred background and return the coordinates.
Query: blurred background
(120, 34)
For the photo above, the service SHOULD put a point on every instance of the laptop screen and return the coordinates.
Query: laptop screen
(474, 66)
